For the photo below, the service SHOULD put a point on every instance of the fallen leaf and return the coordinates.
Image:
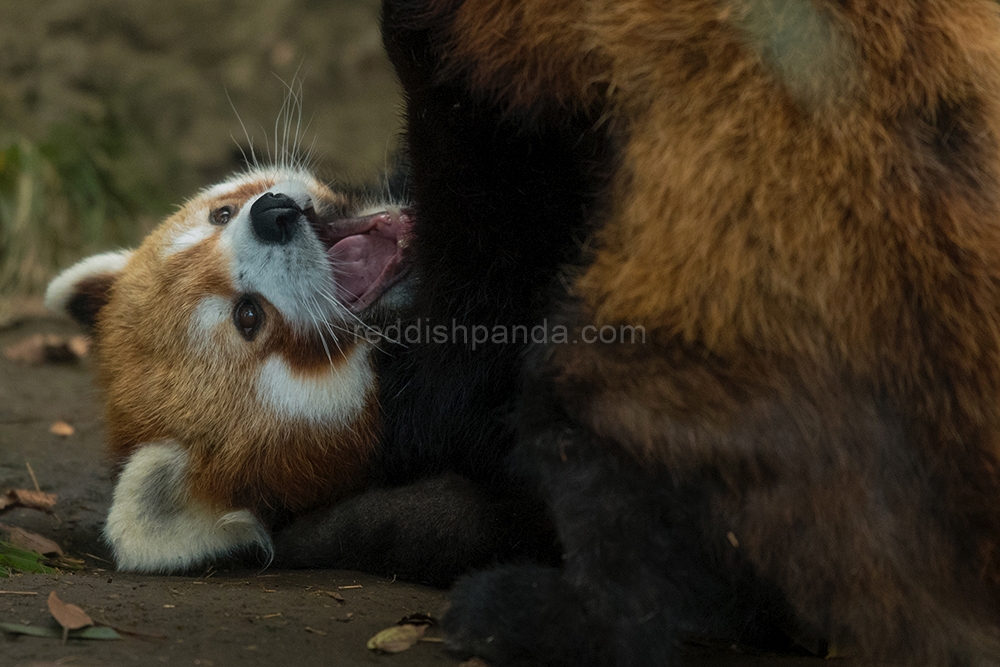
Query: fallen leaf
(397, 639)
(417, 619)
(62, 429)
(13, 558)
(79, 345)
(67, 563)
(56, 633)
(36, 500)
(835, 652)
(30, 350)
(94, 633)
(131, 633)
(47, 348)
(474, 662)
(68, 615)
(29, 541)
(31, 630)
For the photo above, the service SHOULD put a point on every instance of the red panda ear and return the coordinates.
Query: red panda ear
(84, 288)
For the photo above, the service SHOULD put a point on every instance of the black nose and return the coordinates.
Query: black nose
(274, 218)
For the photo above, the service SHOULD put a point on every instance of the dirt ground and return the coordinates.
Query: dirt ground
(220, 617)
(182, 75)
(217, 618)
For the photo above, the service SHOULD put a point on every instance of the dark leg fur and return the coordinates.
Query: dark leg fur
(429, 532)
(515, 614)
(619, 591)
(637, 576)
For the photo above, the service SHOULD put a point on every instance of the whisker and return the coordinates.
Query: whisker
(361, 323)
(246, 133)
(329, 328)
(315, 323)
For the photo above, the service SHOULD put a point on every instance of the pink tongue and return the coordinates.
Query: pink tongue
(358, 261)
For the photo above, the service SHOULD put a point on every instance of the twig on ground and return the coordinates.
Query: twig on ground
(34, 479)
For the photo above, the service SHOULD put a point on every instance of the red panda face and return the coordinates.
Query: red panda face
(231, 353)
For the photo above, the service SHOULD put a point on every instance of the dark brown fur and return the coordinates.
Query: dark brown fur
(810, 235)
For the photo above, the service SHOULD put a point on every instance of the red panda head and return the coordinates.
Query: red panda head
(231, 353)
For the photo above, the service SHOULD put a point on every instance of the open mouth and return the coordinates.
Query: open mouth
(366, 253)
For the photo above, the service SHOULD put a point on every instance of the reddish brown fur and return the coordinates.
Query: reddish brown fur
(773, 244)
(158, 388)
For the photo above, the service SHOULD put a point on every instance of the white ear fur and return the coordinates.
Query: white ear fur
(66, 285)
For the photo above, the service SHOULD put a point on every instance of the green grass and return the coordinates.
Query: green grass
(77, 191)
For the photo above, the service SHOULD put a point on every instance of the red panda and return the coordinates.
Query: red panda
(799, 203)
(236, 373)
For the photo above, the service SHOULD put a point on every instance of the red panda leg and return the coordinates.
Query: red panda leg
(637, 572)
(157, 525)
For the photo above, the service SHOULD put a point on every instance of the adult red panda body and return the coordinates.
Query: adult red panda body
(799, 203)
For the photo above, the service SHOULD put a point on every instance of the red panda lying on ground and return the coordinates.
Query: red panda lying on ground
(238, 380)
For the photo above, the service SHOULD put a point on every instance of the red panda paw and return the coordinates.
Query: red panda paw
(155, 525)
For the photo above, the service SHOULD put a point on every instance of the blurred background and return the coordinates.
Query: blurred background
(112, 112)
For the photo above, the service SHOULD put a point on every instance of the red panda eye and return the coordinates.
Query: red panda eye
(248, 317)
(221, 216)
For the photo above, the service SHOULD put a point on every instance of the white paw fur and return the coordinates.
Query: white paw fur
(155, 526)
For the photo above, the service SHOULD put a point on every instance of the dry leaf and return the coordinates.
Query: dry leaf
(61, 428)
(36, 500)
(418, 618)
(474, 662)
(24, 539)
(67, 615)
(397, 639)
(834, 652)
(68, 563)
(79, 345)
(30, 350)
(47, 348)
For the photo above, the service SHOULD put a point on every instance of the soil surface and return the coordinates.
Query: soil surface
(219, 617)
(183, 74)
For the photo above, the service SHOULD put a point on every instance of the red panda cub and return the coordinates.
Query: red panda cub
(234, 362)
